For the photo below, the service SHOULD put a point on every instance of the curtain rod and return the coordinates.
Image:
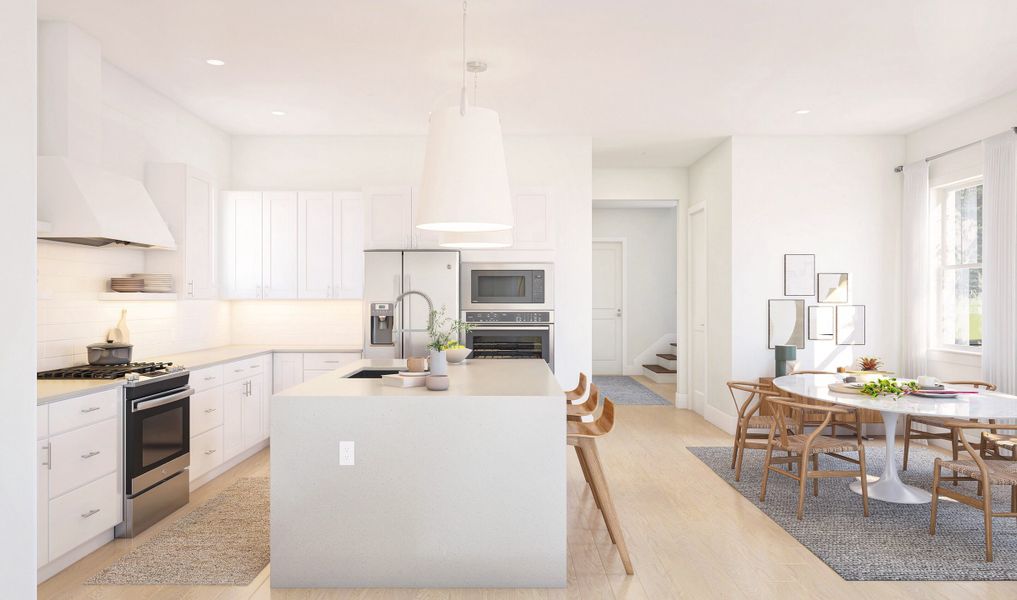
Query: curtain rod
(900, 168)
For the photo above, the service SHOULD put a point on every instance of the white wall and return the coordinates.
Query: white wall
(710, 184)
(562, 164)
(640, 184)
(139, 125)
(17, 308)
(972, 125)
(835, 197)
(651, 271)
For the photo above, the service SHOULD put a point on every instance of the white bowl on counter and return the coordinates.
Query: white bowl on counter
(457, 355)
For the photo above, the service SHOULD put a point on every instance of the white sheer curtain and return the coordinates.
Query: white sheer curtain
(999, 262)
(916, 260)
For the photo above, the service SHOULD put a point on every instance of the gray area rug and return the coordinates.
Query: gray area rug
(222, 542)
(893, 543)
(626, 390)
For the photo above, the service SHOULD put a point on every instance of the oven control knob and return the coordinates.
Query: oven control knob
(132, 377)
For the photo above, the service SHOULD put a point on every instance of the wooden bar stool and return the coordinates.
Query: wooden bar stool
(583, 437)
(580, 390)
(576, 412)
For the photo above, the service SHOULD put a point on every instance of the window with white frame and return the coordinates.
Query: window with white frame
(956, 217)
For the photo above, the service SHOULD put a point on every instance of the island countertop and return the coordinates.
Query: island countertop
(484, 378)
(379, 486)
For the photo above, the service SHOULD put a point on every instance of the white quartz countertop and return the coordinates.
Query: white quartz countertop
(52, 390)
(504, 378)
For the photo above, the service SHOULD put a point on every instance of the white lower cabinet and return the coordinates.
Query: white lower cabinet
(232, 418)
(84, 513)
(206, 411)
(42, 501)
(287, 370)
(82, 455)
(206, 452)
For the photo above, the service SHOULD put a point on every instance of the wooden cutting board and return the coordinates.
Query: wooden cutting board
(843, 388)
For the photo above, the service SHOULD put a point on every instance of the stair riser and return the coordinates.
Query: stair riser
(670, 364)
(660, 377)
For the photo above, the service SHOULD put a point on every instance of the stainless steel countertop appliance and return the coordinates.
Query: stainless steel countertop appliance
(508, 286)
(400, 288)
(511, 334)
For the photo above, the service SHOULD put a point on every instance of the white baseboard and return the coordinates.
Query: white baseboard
(721, 419)
(681, 400)
(55, 566)
(226, 466)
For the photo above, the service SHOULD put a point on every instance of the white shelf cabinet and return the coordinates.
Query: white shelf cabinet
(331, 245)
(388, 223)
(241, 243)
(186, 199)
(279, 245)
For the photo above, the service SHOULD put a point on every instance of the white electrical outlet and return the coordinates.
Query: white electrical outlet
(346, 454)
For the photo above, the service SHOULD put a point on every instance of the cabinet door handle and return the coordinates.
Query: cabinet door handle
(238, 370)
(210, 378)
(90, 409)
(91, 454)
(49, 457)
(89, 513)
(253, 367)
(210, 410)
(330, 362)
(190, 288)
(209, 452)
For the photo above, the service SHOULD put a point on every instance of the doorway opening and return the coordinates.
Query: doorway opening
(634, 292)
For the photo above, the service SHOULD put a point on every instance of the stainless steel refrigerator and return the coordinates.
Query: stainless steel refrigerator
(394, 327)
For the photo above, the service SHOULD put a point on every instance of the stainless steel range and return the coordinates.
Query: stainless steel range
(157, 437)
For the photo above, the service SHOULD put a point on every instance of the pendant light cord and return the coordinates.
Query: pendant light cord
(462, 94)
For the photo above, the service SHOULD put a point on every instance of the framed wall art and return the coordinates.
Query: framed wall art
(832, 288)
(799, 274)
(786, 323)
(822, 323)
(850, 325)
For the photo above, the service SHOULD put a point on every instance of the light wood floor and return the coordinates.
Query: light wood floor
(690, 534)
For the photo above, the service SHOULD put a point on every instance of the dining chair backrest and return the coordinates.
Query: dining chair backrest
(985, 385)
(749, 404)
(790, 416)
(807, 372)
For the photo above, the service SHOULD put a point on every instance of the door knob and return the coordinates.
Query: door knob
(619, 312)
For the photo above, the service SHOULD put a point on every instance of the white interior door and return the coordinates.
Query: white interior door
(697, 308)
(607, 308)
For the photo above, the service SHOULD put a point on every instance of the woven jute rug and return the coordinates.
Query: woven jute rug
(225, 541)
(893, 543)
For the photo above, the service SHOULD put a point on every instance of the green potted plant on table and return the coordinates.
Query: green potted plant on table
(444, 332)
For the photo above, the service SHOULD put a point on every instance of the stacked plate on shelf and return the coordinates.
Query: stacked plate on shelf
(127, 284)
(160, 283)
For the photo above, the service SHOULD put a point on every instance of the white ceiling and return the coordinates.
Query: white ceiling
(654, 82)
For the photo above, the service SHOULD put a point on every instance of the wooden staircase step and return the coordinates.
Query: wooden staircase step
(668, 356)
(659, 369)
(675, 344)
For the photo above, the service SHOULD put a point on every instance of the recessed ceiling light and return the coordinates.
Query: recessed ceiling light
(802, 111)
(215, 62)
(279, 113)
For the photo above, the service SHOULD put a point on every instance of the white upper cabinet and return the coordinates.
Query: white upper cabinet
(534, 225)
(185, 198)
(348, 245)
(389, 218)
(316, 254)
(242, 241)
(279, 245)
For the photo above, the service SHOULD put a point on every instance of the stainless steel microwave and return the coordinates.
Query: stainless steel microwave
(507, 286)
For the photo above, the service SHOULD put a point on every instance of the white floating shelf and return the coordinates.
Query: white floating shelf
(131, 296)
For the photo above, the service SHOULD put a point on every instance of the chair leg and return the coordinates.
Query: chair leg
(803, 479)
(586, 474)
(815, 480)
(737, 439)
(610, 515)
(1013, 499)
(955, 445)
(907, 441)
(865, 480)
(987, 509)
(741, 452)
(935, 497)
(766, 472)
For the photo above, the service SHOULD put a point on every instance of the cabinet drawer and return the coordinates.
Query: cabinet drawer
(83, 410)
(242, 369)
(327, 361)
(206, 452)
(86, 512)
(83, 455)
(209, 377)
(206, 411)
(41, 422)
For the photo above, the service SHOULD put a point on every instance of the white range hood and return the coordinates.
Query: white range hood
(81, 202)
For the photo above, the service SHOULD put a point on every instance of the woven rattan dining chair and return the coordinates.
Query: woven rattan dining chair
(752, 429)
(814, 419)
(993, 472)
(940, 431)
(802, 448)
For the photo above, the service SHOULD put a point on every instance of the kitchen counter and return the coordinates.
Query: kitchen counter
(52, 390)
(459, 488)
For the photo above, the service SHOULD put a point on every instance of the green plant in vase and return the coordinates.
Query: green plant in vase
(444, 332)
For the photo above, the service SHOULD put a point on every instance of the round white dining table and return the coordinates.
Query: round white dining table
(889, 487)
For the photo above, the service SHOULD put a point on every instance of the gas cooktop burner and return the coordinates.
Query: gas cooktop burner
(104, 371)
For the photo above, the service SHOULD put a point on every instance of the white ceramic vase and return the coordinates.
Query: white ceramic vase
(437, 361)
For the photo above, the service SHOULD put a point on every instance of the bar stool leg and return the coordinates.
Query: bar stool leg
(586, 473)
(589, 448)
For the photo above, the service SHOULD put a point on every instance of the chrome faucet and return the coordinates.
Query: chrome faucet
(430, 309)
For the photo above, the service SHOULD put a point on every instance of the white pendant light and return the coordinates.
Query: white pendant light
(475, 240)
(465, 183)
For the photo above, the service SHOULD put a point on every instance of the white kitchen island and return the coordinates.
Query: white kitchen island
(460, 488)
